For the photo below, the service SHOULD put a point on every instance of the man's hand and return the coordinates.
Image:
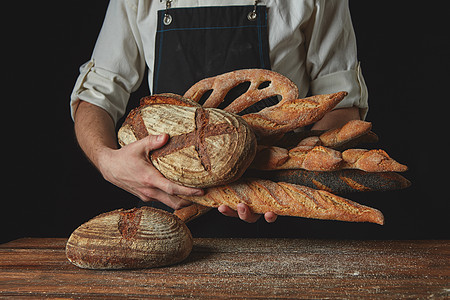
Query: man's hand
(244, 213)
(130, 168)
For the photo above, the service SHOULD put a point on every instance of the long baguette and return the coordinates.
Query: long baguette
(288, 115)
(375, 160)
(337, 182)
(316, 158)
(351, 130)
(319, 158)
(287, 199)
(191, 212)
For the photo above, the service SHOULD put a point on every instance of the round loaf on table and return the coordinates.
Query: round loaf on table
(129, 239)
(207, 146)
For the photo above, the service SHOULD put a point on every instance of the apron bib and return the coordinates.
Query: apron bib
(208, 41)
(195, 43)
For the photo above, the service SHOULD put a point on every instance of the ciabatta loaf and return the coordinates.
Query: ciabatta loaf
(207, 146)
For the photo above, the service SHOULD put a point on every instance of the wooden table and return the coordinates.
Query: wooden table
(240, 268)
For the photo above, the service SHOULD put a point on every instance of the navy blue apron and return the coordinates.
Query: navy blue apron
(195, 43)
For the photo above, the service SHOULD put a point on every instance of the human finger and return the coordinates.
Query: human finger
(246, 214)
(153, 194)
(225, 210)
(153, 142)
(270, 217)
(171, 188)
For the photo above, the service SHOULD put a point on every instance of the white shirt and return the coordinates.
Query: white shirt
(312, 42)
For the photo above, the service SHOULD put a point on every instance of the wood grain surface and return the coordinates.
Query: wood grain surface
(240, 268)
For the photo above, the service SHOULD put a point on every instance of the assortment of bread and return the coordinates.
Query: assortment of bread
(289, 173)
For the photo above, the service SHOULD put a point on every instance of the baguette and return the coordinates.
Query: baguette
(191, 212)
(288, 200)
(371, 161)
(288, 115)
(337, 182)
(319, 158)
(351, 130)
(316, 158)
(356, 132)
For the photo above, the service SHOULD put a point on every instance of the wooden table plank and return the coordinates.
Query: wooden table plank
(256, 268)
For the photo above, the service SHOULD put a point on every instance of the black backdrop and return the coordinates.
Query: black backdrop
(51, 188)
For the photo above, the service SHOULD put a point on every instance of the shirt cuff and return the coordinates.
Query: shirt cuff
(350, 81)
(101, 88)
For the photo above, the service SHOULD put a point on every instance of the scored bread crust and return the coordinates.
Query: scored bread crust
(143, 237)
(320, 158)
(288, 115)
(207, 146)
(287, 199)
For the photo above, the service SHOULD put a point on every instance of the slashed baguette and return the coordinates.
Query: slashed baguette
(348, 136)
(191, 212)
(288, 115)
(287, 199)
(351, 130)
(319, 158)
(316, 158)
(375, 160)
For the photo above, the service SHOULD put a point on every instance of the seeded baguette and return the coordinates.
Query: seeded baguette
(337, 182)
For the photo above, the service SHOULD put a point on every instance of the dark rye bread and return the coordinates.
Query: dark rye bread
(339, 182)
(207, 146)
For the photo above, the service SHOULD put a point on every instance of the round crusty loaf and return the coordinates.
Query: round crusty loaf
(128, 239)
(207, 146)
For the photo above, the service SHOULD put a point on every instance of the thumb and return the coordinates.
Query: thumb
(152, 142)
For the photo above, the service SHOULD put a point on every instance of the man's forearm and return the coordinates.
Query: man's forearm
(337, 118)
(95, 131)
(128, 167)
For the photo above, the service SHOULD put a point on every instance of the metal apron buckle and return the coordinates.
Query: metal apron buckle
(167, 18)
(252, 15)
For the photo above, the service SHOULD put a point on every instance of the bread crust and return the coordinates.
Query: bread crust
(222, 84)
(128, 239)
(287, 115)
(337, 182)
(320, 158)
(207, 146)
(287, 199)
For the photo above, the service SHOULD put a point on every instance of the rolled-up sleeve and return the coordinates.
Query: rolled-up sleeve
(117, 65)
(332, 56)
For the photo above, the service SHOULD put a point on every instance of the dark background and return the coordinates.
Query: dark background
(51, 188)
